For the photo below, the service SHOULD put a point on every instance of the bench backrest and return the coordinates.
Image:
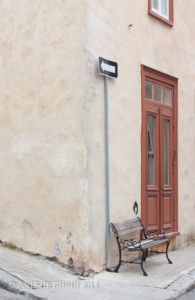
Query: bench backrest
(128, 226)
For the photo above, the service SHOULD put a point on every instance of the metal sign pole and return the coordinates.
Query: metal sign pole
(107, 68)
(107, 172)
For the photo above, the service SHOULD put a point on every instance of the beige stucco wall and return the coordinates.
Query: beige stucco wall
(43, 156)
(52, 154)
(155, 44)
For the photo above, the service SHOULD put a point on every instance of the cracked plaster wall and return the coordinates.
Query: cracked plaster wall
(42, 156)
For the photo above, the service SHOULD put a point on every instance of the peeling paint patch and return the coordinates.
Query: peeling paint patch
(194, 101)
(68, 237)
(57, 249)
(84, 185)
(58, 153)
(62, 161)
(68, 241)
(27, 222)
(22, 144)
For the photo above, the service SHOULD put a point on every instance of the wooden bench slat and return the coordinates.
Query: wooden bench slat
(127, 221)
(127, 225)
(145, 244)
(142, 243)
(128, 230)
(131, 225)
(154, 243)
(138, 226)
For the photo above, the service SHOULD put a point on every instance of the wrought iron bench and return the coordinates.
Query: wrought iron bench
(151, 239)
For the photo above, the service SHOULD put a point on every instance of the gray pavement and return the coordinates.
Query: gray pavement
(188, 296)
(5, 295)
(38, 278)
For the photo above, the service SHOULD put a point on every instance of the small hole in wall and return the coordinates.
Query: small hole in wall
(70, 261)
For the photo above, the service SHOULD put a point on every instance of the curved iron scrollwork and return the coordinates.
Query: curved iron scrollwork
(155, 234)
(131, 243)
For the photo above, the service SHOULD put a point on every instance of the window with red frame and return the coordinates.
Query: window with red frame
(162, 9)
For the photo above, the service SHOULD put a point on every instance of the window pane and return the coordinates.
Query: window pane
(155, 4)
(149, 90)
(164, 7)
(166, 151)
(151, 150)
(167, 96)
(158, 94)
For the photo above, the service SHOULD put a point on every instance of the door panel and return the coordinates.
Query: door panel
(152, 195)
(167, 212)
(167, 173)
(152, 211)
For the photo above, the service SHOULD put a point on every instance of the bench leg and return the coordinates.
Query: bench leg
(117, 268)
(120, 261)
(144, 254)
(170, 262)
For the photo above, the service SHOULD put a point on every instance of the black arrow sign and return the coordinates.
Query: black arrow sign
(108, 68)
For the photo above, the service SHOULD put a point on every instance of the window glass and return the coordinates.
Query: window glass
(155, 4)
(161, 7)
(158, 93)
(167, 96)
(166, 151)
(164, 7)
(149, 90)
(151, 150)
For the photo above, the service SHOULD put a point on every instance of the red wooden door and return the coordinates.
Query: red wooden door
(159, 145)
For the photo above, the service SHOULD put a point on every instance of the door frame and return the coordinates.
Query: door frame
(155, 75)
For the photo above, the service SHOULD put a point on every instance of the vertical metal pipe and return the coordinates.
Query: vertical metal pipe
(107, 172)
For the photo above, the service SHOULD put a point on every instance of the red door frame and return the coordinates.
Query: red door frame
(153, 75)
